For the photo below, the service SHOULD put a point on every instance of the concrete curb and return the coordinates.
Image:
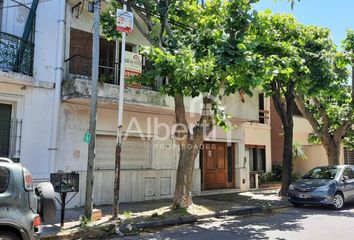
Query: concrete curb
(127, 228)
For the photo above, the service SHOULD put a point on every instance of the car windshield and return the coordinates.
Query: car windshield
(322, 173)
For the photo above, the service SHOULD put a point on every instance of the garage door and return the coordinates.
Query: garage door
(135, 153)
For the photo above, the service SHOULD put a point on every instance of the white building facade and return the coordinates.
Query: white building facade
(53, 103)
(28, 51)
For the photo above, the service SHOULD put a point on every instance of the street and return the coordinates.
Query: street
(293, 223)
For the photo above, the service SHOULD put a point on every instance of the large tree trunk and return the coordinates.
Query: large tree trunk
(189, 149)
(332, 148)
(184, 177)
(287, 160)
(285, 112)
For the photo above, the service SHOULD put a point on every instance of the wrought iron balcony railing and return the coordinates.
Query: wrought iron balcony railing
(81, 67)
(16, 54)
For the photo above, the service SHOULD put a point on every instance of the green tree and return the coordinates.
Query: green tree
(195, 47)
(290, 58)
(331, 111)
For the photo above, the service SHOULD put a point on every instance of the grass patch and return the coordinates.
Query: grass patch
(165, 213)
(127, 214)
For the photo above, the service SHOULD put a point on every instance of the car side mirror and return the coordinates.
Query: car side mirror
(345, 178)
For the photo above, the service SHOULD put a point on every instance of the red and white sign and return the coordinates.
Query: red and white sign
(124, 21)
(133, 64)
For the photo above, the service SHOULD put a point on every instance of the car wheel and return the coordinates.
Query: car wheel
(9, 236)
(338, 201)
(46, 205)
(297, 204)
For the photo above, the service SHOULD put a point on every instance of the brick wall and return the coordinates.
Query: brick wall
(80, 52)
(277, 140)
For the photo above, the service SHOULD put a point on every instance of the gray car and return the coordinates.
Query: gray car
(329, 185)
(23, 208)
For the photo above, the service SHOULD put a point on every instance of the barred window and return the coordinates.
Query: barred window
(348, 156)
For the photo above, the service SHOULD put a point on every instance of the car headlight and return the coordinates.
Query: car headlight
(323, 188)
(291, 187)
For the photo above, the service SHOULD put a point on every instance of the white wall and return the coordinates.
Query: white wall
(14, 18)
(33, 96)
(32, 107)
(47, 17)
(14, 21)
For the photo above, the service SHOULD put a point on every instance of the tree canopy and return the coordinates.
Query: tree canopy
(330, 111)
(288, 58)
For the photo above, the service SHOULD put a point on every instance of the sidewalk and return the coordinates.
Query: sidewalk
(156, 211)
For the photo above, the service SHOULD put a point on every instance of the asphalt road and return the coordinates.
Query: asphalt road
(293, 223)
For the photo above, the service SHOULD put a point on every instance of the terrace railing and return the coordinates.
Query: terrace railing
(16, 54)
(81, 67)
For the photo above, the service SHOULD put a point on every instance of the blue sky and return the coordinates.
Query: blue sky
(337, 15)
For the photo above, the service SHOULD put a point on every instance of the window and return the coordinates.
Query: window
(80, 60)
(4, 179)
(322, 173)
(348, 156)
(261, 107)
(257, 159)
(348, 172)
(230, 159)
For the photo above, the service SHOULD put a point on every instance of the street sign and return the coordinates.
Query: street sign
(124, 21)
(87, 137)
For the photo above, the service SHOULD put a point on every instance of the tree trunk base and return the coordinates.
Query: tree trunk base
(183, 203)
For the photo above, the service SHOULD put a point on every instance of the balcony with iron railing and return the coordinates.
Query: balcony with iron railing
(16, 54)
(77, 84)
(80, 67)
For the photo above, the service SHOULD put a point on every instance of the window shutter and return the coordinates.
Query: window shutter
(5, 123)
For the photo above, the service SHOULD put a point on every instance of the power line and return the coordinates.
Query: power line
(155, 14)
(19, 4)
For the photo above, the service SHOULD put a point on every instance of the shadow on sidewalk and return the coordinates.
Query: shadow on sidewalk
(149, 209)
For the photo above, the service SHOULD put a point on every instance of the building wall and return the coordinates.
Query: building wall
(31, 106)
(33, 97)
(316, 153)
(259, 134)
(302, 129)
(156, 179)
(13, 19)
(316, 156)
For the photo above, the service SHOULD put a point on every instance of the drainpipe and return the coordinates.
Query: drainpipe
(59, 73)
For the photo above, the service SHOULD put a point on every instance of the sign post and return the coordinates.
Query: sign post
(91, 136)
(125, 22)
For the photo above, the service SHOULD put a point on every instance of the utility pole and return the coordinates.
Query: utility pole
(119, 128)
(93, 112)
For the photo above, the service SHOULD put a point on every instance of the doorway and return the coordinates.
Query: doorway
(217, 166)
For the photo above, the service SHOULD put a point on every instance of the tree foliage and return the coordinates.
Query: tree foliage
(288, 58)
(330, 112)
